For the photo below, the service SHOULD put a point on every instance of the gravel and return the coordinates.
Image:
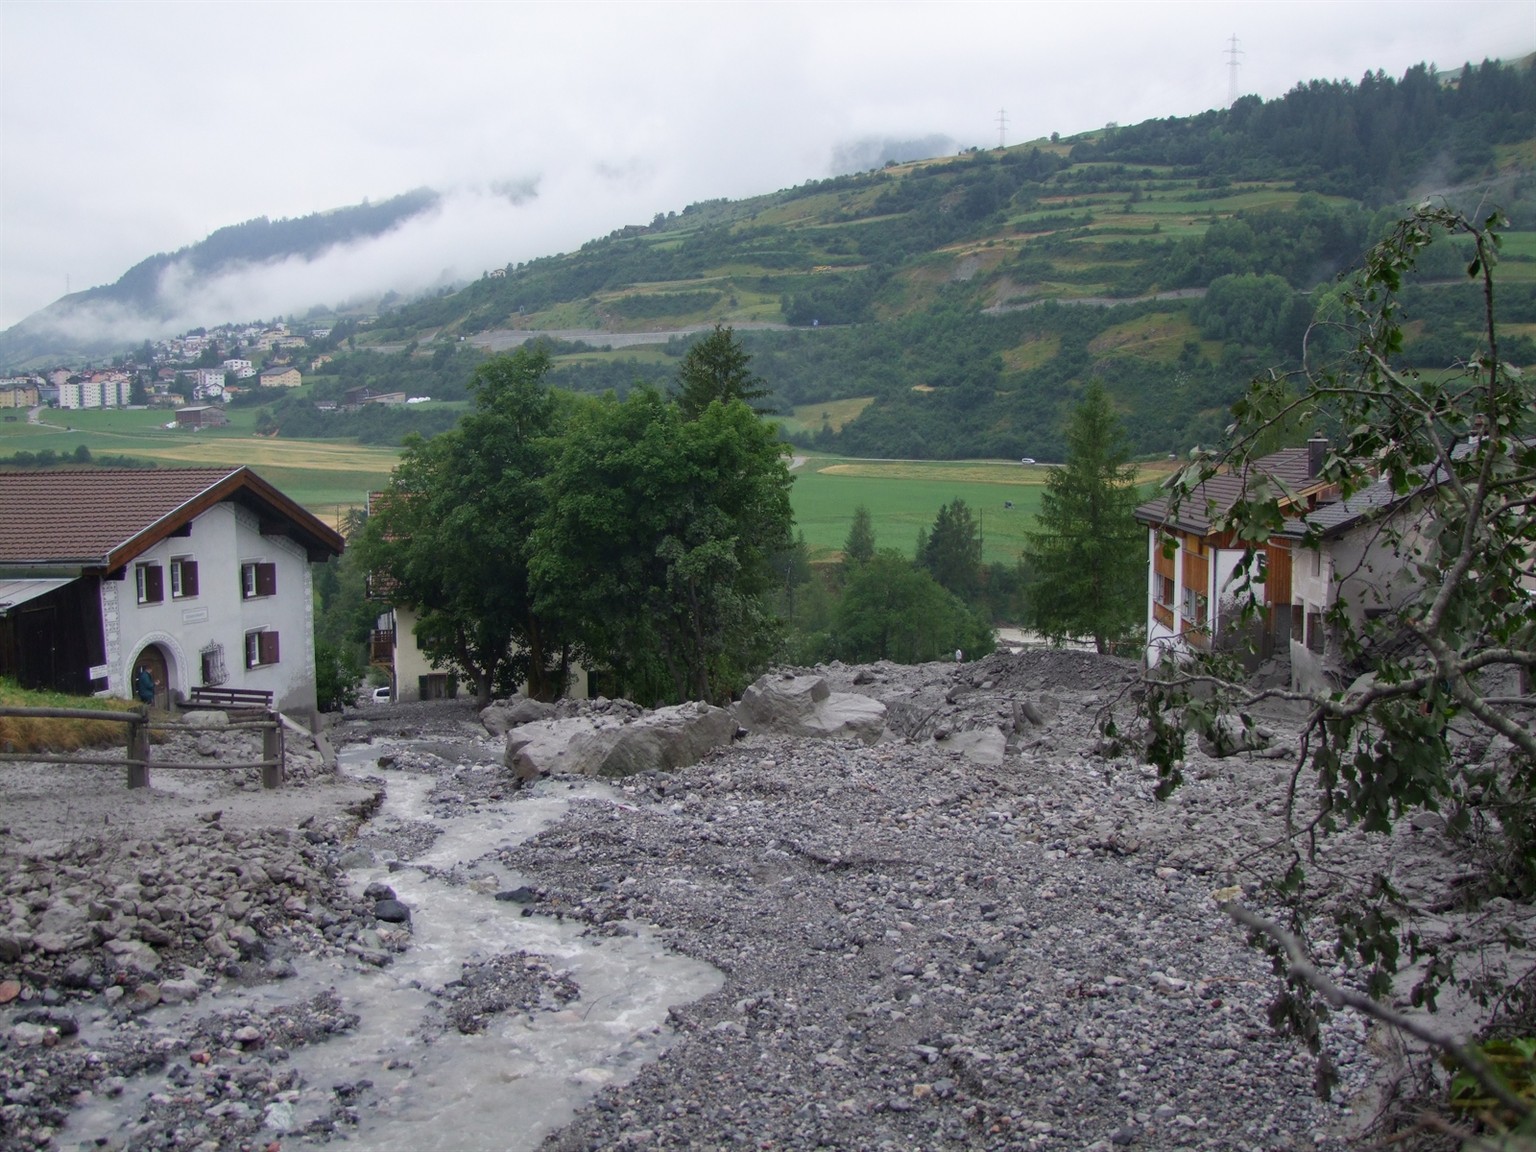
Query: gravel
(920, 950)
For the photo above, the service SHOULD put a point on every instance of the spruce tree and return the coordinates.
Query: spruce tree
(717, 367)
(859, 548)
(1087, 559)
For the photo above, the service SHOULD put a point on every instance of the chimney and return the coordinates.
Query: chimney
(1317, 452)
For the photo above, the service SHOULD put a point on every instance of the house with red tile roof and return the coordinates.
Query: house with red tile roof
(200, 574)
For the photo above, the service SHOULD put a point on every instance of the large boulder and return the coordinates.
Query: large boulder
(611, 746)
(983, 745)
(784, 705)
(502, 716)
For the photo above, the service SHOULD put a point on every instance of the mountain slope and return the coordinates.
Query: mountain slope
(151, 293)
(1197, 251)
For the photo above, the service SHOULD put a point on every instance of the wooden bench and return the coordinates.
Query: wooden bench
(232, 699)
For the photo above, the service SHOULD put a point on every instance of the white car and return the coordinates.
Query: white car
(381, 695)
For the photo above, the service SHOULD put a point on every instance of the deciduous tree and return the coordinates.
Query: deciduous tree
(452, 535)
(891, 610)
(659, 539)
(1443, 467)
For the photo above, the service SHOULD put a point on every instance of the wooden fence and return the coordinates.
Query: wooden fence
(140, 725)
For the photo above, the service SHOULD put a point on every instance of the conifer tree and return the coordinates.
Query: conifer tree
(859, 548)
(718, 368)
(1087, 559)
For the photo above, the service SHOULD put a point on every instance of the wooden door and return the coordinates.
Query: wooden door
(154, 659)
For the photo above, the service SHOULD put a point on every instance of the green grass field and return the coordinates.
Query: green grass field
(326, 476)
(905, 495)
(834, 413)
(330, 476)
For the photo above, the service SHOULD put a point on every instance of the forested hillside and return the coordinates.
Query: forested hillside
(969, 300)
(959, 306)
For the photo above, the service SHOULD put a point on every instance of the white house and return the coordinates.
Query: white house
(208, 382)
(200, 574)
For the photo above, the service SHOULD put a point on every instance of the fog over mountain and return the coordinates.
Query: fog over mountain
(432, 241)
(542, 126)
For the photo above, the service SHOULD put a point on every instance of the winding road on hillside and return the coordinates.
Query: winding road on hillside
(501, 339)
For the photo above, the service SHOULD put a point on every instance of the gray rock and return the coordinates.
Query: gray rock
(983, 745)
(178, 991)
(504, 715)
(1229, 736)
(62, 918)
(133, 956)
(665, 739)
(806, 706)
(391, 912)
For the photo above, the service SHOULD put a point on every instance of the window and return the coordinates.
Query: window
(1194, 608)
(149, 581)
(257, 579)
(213, 664)
(1165, 590)
(260, 648)
(183, 577)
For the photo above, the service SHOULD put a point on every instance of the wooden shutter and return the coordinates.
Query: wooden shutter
(154, 583)
(267, 647)
(183, 577)
(266, 579)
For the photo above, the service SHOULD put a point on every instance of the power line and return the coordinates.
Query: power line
(1232, 52)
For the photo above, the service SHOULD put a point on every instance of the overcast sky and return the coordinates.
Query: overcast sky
(133, 128)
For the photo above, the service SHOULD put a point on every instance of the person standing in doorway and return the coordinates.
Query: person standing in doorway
(144, 685)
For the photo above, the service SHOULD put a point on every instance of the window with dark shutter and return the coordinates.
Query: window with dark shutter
(1315, 638)
(257, 579)
(149, 580)
(260, 649)
(183, 577)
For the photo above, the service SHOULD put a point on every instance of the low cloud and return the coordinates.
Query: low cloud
(469, 232)
(472, 229)
(862, 155)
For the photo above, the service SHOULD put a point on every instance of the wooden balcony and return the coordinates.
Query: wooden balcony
(381, 647)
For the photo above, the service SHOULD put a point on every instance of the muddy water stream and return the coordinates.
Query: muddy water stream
(432, 1088)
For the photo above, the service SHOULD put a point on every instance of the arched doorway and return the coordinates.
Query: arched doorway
(153, 658)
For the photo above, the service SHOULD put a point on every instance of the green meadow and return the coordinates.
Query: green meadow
(326, 476)
(904, 496)
(330, 476)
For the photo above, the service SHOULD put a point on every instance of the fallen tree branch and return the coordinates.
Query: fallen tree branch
(1303, 969)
